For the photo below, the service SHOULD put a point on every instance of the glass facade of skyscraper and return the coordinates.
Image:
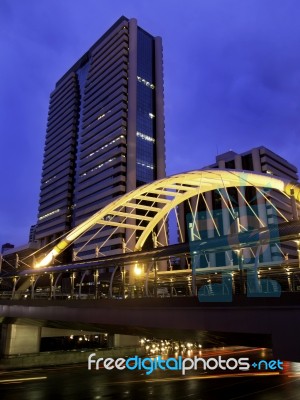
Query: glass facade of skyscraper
(146, 135)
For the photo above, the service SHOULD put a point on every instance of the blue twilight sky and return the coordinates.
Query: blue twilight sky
(232, 81)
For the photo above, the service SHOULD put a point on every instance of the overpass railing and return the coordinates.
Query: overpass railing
(210, 284)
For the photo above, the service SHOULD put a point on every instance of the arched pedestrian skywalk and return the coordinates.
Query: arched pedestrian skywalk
(144, 208)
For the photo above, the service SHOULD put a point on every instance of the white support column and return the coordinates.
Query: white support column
(19, 339)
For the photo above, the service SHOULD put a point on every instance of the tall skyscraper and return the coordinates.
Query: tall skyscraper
(105, 134)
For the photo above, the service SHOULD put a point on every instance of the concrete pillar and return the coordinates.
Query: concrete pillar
(19, 339)
(125, 340)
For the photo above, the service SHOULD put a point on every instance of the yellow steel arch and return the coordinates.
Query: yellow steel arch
(160, 197)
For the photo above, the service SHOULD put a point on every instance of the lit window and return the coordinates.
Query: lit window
(48, 214)
(103, 115)
(145, 137)
(51, 179)
(145, 164)
(147, 83)
(106, 145)
(98, 167)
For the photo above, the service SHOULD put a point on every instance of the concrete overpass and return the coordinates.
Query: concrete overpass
(269, 319)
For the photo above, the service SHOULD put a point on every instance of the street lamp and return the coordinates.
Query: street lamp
(137, 270)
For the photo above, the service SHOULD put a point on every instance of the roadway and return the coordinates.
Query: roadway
(76, 382)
